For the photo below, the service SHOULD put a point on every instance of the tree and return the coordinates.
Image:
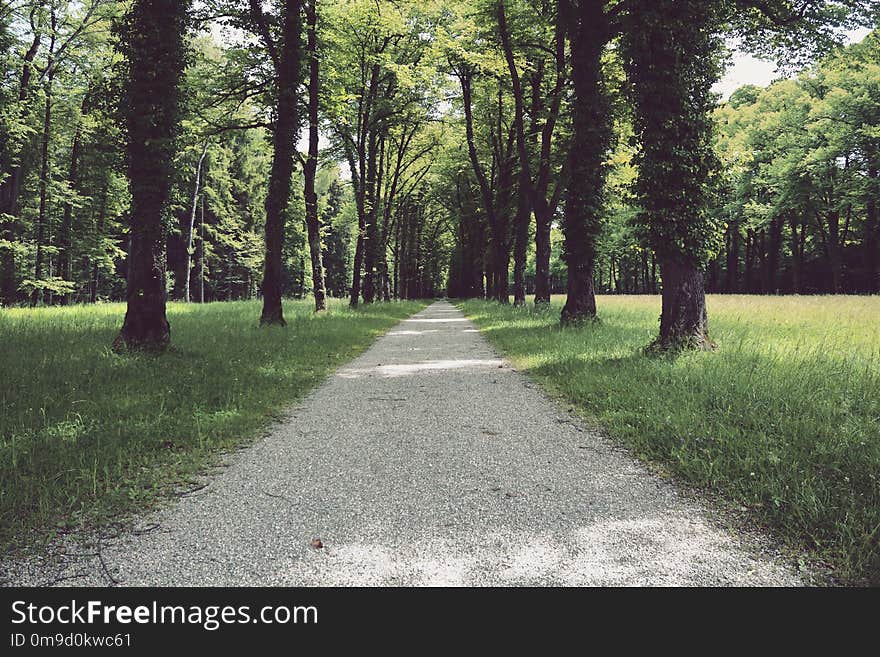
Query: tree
(589, 30)
(311, 165)
(153, 37)
(286, 61)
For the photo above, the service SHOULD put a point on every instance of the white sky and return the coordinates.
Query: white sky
(745, 69)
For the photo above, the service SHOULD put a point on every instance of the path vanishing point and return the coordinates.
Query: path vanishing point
(426, 461)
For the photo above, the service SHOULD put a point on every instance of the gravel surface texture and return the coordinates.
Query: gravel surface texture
(426, 461)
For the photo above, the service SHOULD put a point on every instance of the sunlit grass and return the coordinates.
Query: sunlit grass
(784, 418)
(87, 434)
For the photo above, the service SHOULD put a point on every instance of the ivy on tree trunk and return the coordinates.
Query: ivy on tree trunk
(154, 45)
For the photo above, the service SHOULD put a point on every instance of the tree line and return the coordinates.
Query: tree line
(379, 150)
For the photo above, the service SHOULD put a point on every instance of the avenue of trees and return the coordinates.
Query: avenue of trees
(387, 149)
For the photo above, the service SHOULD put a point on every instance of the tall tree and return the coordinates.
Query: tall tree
(153, 38)
(310, 168)
(672, 49)
(286, 60)
(589, 31)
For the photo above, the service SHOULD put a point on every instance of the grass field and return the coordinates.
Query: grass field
(784, 418)
(88, 435)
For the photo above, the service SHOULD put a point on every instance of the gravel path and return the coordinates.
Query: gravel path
(426, 461)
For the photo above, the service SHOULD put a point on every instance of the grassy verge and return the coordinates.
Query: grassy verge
(784, 418)
(86, 434)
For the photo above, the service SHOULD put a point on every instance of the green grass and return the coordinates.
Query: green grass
(784, 418)
(89, 435)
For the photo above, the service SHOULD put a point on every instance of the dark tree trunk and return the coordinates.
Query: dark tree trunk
(311, 167)
(750, 261)
(731, 284)
(683, 322)
(65, 255)
(762, 262)
(192, 223)
(774, 246)
(524, 181)
(42, 217)
(872, 232)
(796, 254)
(591, 138)
(283, 143)
(543, 221)
(359, 246)
(154, 41)
(669, 48)
(835, 266)
(371, 237)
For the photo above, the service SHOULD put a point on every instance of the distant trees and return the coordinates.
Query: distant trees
(801, 189)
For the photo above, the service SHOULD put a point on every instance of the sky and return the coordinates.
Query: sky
(746, 69)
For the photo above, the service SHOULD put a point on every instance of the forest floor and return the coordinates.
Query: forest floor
(428, 460)
(87, 435)
(782, 422)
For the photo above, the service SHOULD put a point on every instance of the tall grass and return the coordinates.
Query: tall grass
(784, 418)
(86, 434)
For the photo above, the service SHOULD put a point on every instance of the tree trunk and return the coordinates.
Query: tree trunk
(524, 183)
(750, 261)
(65, 256)
(42, 218)
(283, 144)
(771, 284)
(313, 222)
(833, 247)
(371, 237)
(591, 138)
(684, 322)
(731, 284)
(154, 40)
(872, 232)
(192, 222)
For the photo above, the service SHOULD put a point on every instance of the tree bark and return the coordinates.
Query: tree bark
(65, 255)
(591, 138)
(42, 217)
(771, 284)
(201, 254)
(872, 230)
(524, 180)
(313, 222)
(731, 284)
(154, 40)
(684, 322)
(283, 144)
(192, 222)
(796, 254)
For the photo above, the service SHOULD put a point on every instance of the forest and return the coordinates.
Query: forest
(567, 172)
(393, 150)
